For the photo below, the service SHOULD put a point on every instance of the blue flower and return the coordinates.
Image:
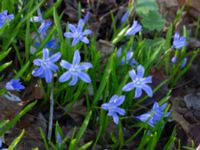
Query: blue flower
(14, 84)
(124, 17)
(135, 28)
(75, 70)
(77, 34)
(113, 107)
(155, 115)
(46, 65)
(128, 57)
(44, 26)
(139, 82)
(179, 42)
(4, 17)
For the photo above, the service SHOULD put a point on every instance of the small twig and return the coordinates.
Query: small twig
(51, 113)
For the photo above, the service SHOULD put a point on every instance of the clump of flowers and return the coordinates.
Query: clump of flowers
(179, 41)
(75, 70)
(4, 17)
(113, 107)
(127, 59)
(155, 115)
(135, 28)
(14, 84)
(174, 60)
(77, 33)
(46, 65)
(139, 82)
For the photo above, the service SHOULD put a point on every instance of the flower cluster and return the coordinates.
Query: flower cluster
(155, 115)
(178, 43)
(75, 70)
(174, 60)
(42, 33)
(46, 66)
(127, 59)
(4, 17)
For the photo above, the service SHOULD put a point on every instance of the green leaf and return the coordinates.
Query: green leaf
(5, 65)
(144, 6)
(4, 54)
(152, 21)
(85, 146)
(16, 141)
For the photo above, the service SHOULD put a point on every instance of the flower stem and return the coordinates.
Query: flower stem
(51, 113)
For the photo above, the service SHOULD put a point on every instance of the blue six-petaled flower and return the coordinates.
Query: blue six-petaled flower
(113, 107)
(14, 84)
(139, 82)
(179, 41)
(4, 17)
(46, 65)
(75, 70)
(77, 33)
(155, 115)
(135, 28)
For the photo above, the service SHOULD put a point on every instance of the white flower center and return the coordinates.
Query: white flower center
(138, 81)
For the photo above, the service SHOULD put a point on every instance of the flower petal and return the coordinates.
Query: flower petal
(85, 40)
(87, 31)
(73, 81)
(76, 58)
(140, 71)
(113, 99)
(84, 66)
(48, 75)
(65, 77)
(45, 52)
(132, 74)
(68, 35)
(38, 72)
(148, 79)
(119, 111)
(148, 90)
(120, 100)
(138, 92)
(65, 64)
(105, 106)
(115, 118)
(84, 77)
(75, 41)
(55, 57)
(72, 27)
(80, 25)
(129, 86)
(53, 67)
